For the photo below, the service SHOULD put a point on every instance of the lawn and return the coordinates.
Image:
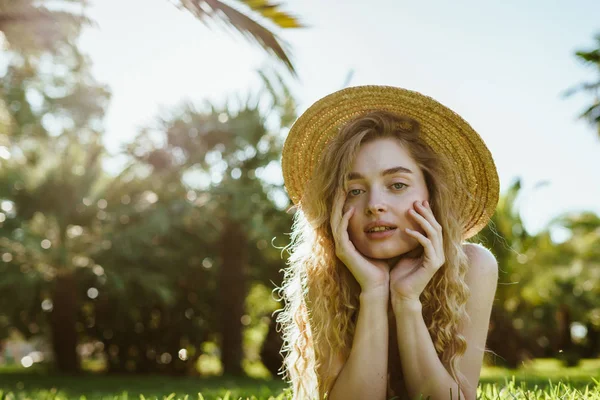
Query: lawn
(542, 379)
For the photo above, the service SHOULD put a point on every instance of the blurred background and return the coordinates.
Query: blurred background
(142, 209)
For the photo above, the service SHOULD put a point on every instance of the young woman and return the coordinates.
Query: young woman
(383, 296)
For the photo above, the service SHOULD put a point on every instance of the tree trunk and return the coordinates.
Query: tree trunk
(62, 322)
(271, 347)
(504, 340)
(567, 351)
(591, 350)
(232, 289)
(563, 323)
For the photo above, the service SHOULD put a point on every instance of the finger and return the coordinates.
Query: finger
(343, 228)
(420, 218)
(425, 209)
(427, 220)
(435, 254)
(344, 245)
(346, 218)
(336, 213)
(425, 242)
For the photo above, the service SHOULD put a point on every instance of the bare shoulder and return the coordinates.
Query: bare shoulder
(482, 280)
(483, 266)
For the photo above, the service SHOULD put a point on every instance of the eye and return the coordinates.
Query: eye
(399, 185)
(354, 192)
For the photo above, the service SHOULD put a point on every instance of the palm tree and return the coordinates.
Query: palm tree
(33, 28)
(49, 170)
(543, 286)
(590, 58)
(580, 300)
(505, 235)
(235, 144)
(48, 207)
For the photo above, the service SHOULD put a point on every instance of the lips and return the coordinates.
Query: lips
(380, 223)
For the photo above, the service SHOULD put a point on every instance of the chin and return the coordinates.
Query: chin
(385, 251)
(382, 252)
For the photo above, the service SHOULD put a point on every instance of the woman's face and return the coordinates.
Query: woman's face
(383, 185)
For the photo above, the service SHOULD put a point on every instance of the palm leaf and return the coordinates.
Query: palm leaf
(592, 112)
(273, 13)
(592, 87)
(589, 57)
(248, 26)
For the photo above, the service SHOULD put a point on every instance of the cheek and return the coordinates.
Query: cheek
(409, 202)
(352, 224)
(354, 227)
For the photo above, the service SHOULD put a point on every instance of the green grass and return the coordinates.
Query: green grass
(542, 379)
(548, 390)
(539, 371)
(26, 385)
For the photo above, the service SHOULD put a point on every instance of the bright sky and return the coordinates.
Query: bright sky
(501, 65)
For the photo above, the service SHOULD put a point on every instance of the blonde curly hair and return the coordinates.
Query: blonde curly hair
(321, 295)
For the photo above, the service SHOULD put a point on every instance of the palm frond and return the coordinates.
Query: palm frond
(592, 87)
(273, 13)
(589, 57)
(592, 113)
(246, 25)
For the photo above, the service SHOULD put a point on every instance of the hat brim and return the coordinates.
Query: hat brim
(473, 169)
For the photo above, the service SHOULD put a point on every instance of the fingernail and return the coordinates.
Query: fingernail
(426, 203)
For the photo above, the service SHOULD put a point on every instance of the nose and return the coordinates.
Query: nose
(375, 204)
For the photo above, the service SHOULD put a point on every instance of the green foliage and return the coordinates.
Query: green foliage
(163, 229)
(144, 243)
(590, 58)
(52, 135)
(157, 285)
(544, 286)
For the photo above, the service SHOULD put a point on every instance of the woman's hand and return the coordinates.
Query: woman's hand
(369, 273)
(411, 274)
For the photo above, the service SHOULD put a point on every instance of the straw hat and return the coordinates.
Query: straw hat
(473, 169)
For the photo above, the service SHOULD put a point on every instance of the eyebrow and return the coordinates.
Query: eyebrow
(355, 175)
